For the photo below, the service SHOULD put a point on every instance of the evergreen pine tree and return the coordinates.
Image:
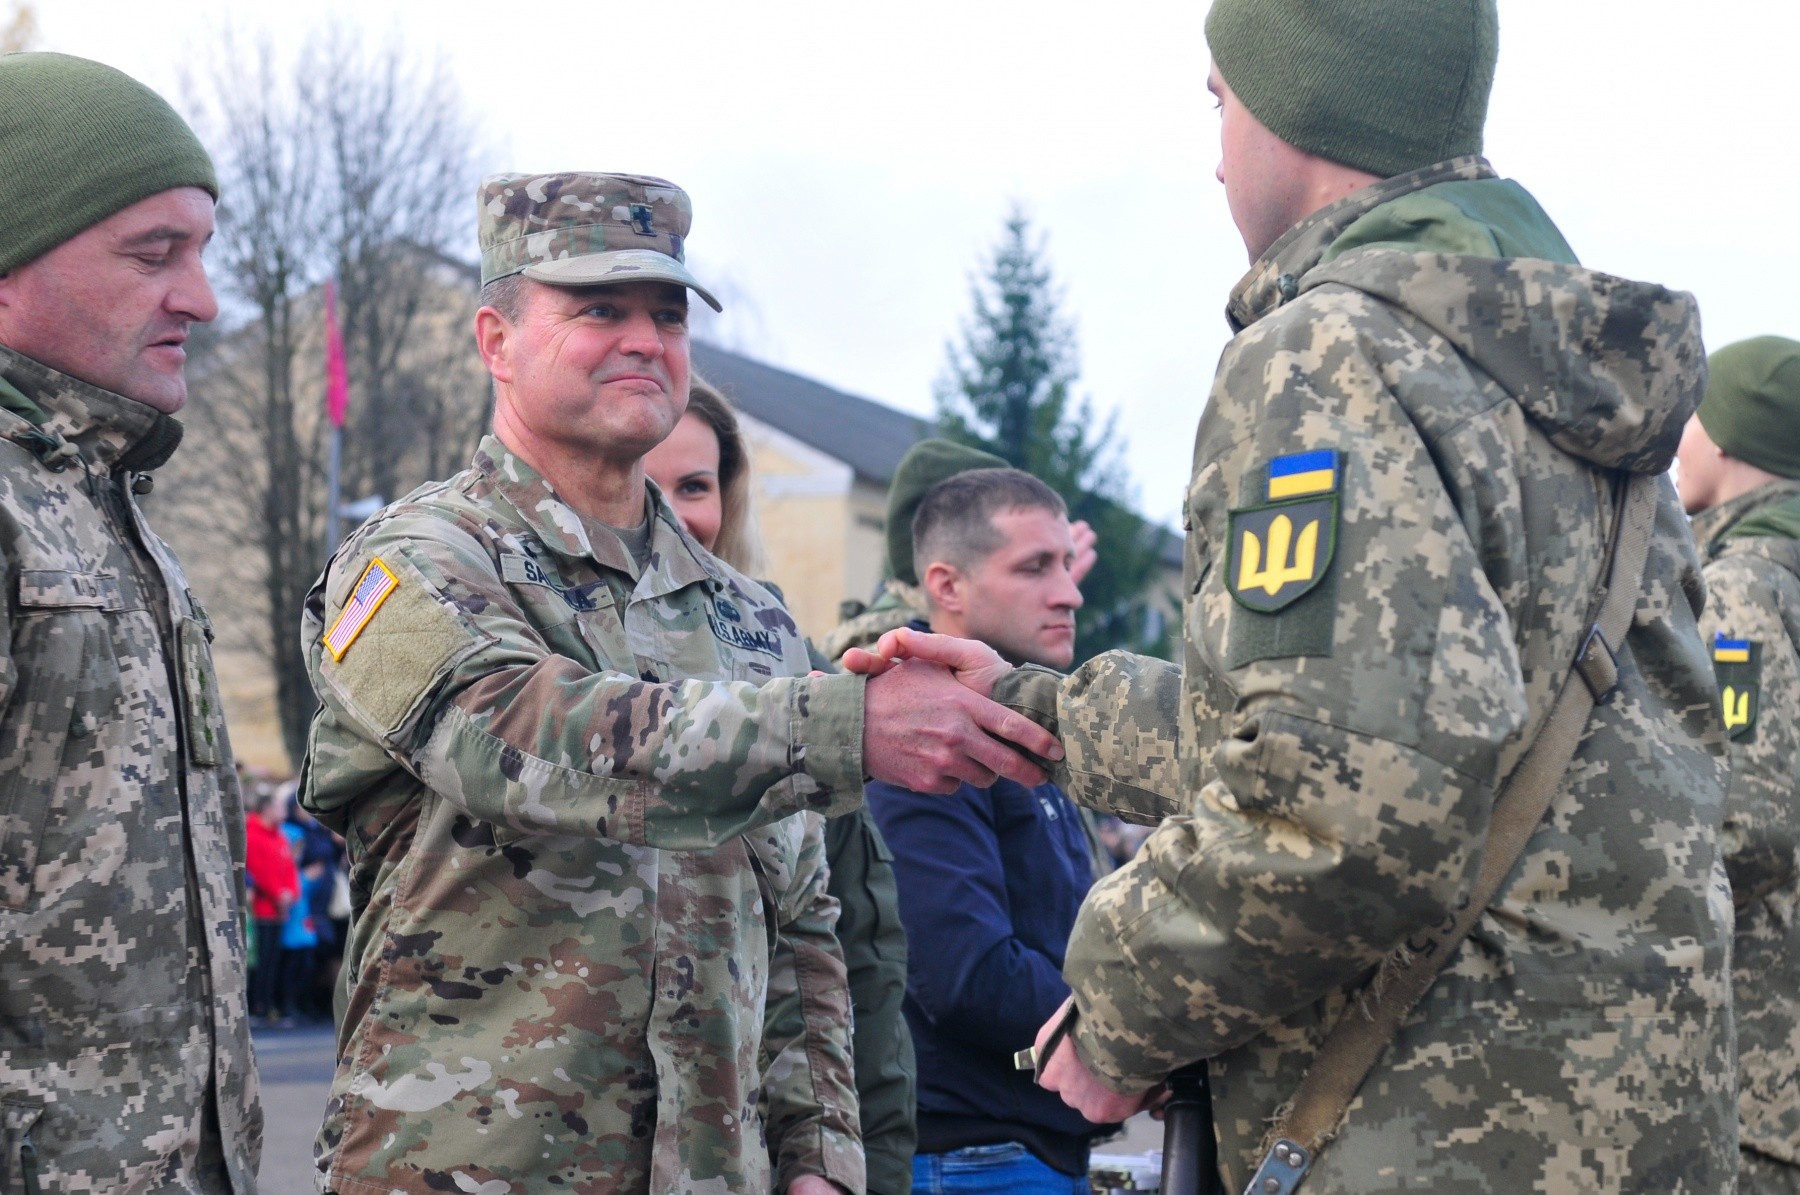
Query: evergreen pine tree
(1008, 388)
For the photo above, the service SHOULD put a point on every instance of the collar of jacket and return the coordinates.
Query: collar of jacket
(1274, 279)
(114, 434)
(1716, 525)
(676, 559)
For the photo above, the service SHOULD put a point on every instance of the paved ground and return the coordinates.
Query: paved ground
(295, 1066)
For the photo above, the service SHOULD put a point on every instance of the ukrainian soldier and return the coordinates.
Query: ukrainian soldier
(125, 1060)
(1740, 479)
(564, 743)
(1405, 482)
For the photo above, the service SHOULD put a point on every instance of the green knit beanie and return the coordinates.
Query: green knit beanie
(78, 142)
(1752, 403)
(1385, 86)
(924, 465)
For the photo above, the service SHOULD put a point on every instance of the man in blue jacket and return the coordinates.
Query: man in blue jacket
(990, 879)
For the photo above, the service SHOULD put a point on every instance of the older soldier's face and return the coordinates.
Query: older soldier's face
(597, 369)
(112, 305)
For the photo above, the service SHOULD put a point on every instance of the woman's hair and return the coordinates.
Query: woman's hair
(740, 542)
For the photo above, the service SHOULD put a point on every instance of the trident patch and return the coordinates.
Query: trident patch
(1279, 551)
(1738, 664)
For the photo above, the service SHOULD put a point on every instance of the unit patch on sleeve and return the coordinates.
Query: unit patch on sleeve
(1279, 549)
(377, 582)
(1738, 663)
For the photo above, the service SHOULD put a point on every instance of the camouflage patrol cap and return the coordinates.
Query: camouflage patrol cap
(585, 230)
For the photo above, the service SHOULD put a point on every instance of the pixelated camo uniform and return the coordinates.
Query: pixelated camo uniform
(1401, 485)
(1752, 550)
(566, 794)
(124, 1040)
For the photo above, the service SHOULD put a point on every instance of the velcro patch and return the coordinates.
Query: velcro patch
(1277, 551)
(401, 657)
(377, 582)
(1738, 665)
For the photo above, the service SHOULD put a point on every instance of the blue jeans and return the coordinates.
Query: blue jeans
(980, 1169)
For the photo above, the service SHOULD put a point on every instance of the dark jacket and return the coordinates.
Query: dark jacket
(990, 883)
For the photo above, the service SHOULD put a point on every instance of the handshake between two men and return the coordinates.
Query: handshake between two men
(911, 664)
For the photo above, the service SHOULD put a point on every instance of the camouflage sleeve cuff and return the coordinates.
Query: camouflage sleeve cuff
(838, 1159)
(828, 736)
(1031, 691)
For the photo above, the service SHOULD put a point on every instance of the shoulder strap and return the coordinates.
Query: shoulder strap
(1366, 1029)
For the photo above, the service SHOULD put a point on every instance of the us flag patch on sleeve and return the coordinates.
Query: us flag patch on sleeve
(377, 582)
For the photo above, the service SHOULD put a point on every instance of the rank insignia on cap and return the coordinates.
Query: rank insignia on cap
(1738, 664)
(377, 582)
(1278, 551)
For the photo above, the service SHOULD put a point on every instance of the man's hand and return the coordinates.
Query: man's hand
(925, 732)
(1067, 1075)
(1087, 553)
(976, 665)
(813, 1184)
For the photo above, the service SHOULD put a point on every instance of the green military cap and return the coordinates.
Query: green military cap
(1385, 86)
(575, 229)
(924, 465)
(1752, 403)
(82, 141)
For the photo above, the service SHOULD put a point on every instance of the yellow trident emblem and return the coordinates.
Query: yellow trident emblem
(1737, 707)
(1253, 573)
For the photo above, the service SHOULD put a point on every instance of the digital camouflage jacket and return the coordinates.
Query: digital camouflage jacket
(1402, 483)
(124, 1040)
(1752, 626)
(571, 846)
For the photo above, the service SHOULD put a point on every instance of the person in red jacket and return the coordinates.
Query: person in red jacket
(275, 884)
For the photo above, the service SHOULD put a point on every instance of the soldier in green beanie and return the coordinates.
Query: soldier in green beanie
(1740, 480)
(125, 1058)
(1427, 433)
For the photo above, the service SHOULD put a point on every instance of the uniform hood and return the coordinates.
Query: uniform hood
(1608, 368)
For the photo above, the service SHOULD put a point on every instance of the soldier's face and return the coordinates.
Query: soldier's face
(1264, 176)
(113, 305)
(1699, 463)
(1021, 600)
(595, 370)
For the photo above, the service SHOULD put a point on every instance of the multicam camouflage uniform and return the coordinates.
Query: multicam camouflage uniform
(124, 1042)
(563, 932)
(1752, 550)
(1425, 380)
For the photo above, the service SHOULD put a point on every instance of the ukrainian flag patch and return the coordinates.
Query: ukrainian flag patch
(1303, 474)
(1738, 665)
(376, 583)
(1280, 549)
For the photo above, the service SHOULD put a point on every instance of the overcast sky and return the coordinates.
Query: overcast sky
(850, 164)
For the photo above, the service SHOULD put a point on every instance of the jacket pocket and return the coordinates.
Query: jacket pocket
(67, 682)
(200, 695)
(18, 1153)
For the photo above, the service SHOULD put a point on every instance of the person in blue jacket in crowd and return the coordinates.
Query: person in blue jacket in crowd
(990, 879)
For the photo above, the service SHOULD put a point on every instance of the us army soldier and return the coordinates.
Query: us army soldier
(1740, 479)
(1402, 487)
(548, 720)
(125, 1058)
